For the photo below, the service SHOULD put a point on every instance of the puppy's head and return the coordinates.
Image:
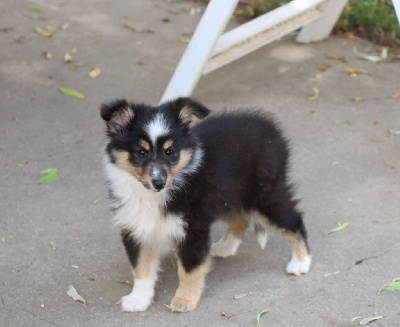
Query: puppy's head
(153, 144)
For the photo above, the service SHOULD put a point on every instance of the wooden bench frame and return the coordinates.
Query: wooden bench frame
(209, 50)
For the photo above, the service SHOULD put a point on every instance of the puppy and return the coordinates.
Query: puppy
(169, 180)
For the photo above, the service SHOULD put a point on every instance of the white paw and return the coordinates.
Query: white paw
(225, 248)
(296, 268)
(132, 303)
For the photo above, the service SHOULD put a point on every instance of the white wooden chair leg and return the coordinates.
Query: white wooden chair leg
(189, 70)
(321, 28)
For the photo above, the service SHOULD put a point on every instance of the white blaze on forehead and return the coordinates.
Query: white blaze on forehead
(157, 127)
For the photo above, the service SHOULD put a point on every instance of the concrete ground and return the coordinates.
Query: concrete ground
(345, 163)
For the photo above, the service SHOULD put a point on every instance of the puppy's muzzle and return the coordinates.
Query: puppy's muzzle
(158, 184)
(158, 176)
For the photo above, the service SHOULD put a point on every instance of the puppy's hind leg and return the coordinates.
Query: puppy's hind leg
(229, 244)
(301, 259)
(286, 220)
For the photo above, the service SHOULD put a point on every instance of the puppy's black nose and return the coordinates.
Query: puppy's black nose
(158, 183)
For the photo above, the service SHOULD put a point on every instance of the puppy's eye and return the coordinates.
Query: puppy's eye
(169, 152)
(142, 153)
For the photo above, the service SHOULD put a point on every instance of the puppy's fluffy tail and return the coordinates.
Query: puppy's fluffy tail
(262, 235)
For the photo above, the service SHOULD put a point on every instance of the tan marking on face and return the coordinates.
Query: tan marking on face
(140, 173)
(147, 259)
(299, 247)
(184, 159)
(144, 144)
(168, 144)
(190, 288)
(122, 161)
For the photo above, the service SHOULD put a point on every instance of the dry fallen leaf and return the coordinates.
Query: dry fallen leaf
(187, 34)
(339, 58)
(47, 54)
(67, 58)
(239, 296)
(321, 67)
(125, 282)
(185, 41)
(366, 321)
(395, 96)
(358, 99)
(353, 70)
(94, 72)
(223, 314)
(173, 12)
(77, 65)
(65, 26)
(51, 28)
(137, 29)
(74, 294)
(193, 10)
(351, 36)
(42, 32)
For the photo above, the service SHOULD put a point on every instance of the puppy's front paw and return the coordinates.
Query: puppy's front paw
(182, 305)
(296, 267)
(132, 303)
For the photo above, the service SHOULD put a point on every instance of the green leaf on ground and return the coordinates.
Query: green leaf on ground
(315, 94)
(259, 316)
(72, 93)
(340, 227)
(35, 8)
(53, 245)
(20, 165)
(51, 176)
(392, 286)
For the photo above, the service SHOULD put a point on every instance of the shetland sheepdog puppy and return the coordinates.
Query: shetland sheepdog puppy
(170, 178)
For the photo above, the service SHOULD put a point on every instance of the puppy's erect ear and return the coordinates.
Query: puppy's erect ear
(188, 110)
(117, 114)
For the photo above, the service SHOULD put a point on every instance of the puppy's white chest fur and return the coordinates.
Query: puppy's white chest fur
(140, 211)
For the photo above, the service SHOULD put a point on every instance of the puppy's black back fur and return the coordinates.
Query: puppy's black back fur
(244, 168)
